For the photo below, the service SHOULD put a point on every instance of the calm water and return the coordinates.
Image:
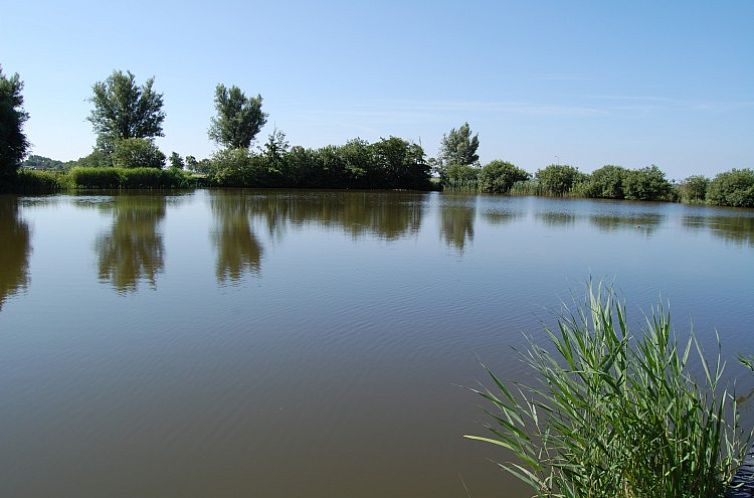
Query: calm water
(311, 344)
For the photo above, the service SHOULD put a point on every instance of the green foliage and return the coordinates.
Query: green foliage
(606, 183)
(526, 187)
(387, 163)
(732, 188)
(693, 189)
(459, 147)
(499, 177)
(137, 153)
(460, 177)
(617, 416)
(94, 177)
(646, 184)
(123, 110)
(39, 182)
(176, 161)
(13, 142)
(107, 178)
(43, 163)
(97, 159)
(239, 118)
(558, 179)
(236, 168)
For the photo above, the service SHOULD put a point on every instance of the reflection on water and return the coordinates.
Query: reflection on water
(364, 311)
(132, 250)
(389, 216)
(457, 222)
(238, 250)
(15, 249)
(646, 223)
(501, 217)
(736, 229)
(556, 218)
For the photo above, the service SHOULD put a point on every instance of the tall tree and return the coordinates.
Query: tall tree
(459, 147)
(239, 118)
(122, 110)
(13, 142)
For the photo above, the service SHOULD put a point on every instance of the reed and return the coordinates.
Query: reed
(615, 415)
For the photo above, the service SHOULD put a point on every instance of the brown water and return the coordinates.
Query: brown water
(311, 344)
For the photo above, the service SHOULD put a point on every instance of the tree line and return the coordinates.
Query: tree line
(127, 117)
(459, 169)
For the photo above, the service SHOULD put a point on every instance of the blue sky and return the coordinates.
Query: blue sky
(584, 83)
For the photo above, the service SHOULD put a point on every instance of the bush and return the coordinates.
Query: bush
(152, 178)
(137, 153)
(107, 178)
(460, 177)
(93, 177)
(606, 183)
(558, 179)
(499, 177)
(732, 188)
(693, 189)
(646, 184)
(615, 416)
(39, 182)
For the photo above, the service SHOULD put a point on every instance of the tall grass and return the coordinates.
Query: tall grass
(615, 415)
(87, 177)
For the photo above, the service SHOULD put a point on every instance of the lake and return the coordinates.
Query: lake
(286, 343)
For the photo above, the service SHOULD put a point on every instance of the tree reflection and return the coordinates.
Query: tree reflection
(457, 223)
(133, 249)
(498, 217)
(15, 235)
(557, 218)
(238, 250)
(646, 223)
(736, 229)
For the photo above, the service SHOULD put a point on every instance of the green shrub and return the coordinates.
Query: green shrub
(499, 177)
(94, 177)
(526, 187)
(732, 188)
(459, 177)
(606, 183)
(107, 178)
(152, 178)
(137, 153)
(693, 189)
(646, 184)
(617, 416)
(40, 182)
(558, 179)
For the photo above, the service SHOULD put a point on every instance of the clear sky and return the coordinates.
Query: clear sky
(585, 83)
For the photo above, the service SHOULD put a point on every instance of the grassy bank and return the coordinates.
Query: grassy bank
(613, 415)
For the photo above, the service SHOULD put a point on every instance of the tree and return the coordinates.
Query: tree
(239, 118)
(459, 147)
(607, 182)
(558, 179)
(176, 161)
(13, 142)
(191, 163)
(137, 153)
(646, 184)
(499, 177)
(694, 188)
(123, 110)
(732, 188)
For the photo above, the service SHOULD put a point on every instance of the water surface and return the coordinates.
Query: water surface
(310, 343)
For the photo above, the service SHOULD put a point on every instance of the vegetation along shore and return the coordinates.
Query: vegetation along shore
(126, 118)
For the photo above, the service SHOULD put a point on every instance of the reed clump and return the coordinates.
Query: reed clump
(615, 415)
